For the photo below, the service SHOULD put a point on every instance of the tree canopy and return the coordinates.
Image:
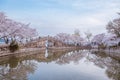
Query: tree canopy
(114, 27)
(10, 29)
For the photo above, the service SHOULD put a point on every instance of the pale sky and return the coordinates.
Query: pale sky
(50, 17)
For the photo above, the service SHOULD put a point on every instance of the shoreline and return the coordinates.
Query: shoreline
(29, 51)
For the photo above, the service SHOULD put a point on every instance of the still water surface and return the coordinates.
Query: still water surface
(60, 65)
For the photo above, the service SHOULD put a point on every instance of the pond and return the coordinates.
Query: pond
(60, 65)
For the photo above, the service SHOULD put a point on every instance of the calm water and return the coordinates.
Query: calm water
(62, 65)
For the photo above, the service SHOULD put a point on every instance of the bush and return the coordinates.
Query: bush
(102, 46)
(13, 46)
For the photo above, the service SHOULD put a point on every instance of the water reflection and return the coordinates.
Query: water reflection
(64, 65)
(112, 65)
(74, 56)
(13, 62)
(46, 53)
(16, 70)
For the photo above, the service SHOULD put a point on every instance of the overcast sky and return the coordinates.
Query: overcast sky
(50, 17)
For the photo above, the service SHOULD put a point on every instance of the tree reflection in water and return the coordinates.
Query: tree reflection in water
(16, 70)
(74, 56)
(112, 65)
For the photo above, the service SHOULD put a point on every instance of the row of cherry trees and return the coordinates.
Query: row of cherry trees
(13, 30)
(113, 36)
(69, 39)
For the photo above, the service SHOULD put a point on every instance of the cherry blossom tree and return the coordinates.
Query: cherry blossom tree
(69, 39)
(114, 27)
(98, 38)
(64, 37)
(13, 30)
(77, 32)
(88, 35)
(97, 41)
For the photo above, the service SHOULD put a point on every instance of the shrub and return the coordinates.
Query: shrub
(102, 46)
(13, 46)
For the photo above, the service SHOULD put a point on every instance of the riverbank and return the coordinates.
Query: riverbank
(29, 51)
